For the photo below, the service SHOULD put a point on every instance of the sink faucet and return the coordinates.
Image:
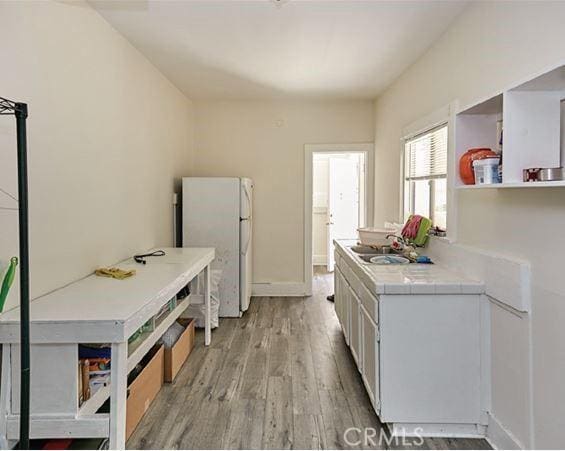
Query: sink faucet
(398, 238)
(404, 247)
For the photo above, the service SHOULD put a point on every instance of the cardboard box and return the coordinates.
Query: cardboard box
(177, 355)
(143, 389)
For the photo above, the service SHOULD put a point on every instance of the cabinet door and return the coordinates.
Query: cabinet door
(337, 294)
(345, 309)
(355, 332)
(341, 300)
(370, 369)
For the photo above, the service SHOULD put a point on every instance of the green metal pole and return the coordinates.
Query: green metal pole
(21, 116)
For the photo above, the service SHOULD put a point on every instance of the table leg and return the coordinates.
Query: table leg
(5, 389)
(207, 328)
(118, 395)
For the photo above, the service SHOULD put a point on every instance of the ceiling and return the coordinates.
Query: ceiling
(264, 49)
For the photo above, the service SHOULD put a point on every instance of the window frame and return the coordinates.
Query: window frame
(407, 199)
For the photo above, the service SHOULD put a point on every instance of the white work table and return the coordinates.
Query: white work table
(93, 310)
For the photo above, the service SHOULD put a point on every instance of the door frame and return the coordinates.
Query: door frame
(309, 151)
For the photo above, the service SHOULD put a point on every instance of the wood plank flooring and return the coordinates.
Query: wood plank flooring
(281, 377)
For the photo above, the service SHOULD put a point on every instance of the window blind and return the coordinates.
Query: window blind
(426, 155)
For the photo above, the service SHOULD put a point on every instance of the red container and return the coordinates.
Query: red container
(466, 171)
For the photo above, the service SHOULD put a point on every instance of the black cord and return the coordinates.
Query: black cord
(140, 258)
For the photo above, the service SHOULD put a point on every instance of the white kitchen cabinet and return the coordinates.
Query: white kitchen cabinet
(430, 359)
(370, 353)
(419, 354)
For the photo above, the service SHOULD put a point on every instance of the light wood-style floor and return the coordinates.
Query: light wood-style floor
(281, 377)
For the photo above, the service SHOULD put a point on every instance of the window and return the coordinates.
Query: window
(425, 176)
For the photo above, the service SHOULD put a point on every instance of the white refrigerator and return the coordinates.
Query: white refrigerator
(217, 212)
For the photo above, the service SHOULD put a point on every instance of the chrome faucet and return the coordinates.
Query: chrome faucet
(399, 238)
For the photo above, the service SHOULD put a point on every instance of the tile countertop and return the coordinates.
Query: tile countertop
(407, 279)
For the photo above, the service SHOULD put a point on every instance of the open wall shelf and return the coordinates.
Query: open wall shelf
(533, 118)
(554, 184)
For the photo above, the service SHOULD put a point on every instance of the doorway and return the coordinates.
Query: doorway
(339, 183)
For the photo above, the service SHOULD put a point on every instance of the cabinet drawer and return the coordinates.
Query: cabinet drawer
(345, 270)
(369, 301)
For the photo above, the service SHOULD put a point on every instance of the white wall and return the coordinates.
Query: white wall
(490, 47)
(108, 134)
(265, 140)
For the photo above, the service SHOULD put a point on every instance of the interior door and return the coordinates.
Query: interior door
(343, 203)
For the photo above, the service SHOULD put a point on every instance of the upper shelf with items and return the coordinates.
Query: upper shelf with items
(524, 126)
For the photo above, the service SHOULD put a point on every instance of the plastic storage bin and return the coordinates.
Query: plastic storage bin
(486, 171)
(375, 237)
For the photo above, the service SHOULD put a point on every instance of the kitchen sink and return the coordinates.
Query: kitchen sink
(366, 253)
(368, 250)
(367, 257)
(389, 260)
(395, 258)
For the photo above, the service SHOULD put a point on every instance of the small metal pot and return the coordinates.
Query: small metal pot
(551, 174)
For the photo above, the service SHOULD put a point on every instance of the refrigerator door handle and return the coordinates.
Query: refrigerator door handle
(248, 197)
(245, 248)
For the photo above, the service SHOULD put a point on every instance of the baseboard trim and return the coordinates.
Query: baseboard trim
(279, 289)
(499, 437)
(320, 260)
(455, 430)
